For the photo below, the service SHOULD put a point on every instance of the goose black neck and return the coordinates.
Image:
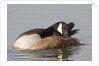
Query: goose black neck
(47, 32)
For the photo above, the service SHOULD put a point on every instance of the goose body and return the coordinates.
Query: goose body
(54, 42)
(26, 41)
(37, 39)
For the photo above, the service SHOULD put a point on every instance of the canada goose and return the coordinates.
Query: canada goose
(31, 37)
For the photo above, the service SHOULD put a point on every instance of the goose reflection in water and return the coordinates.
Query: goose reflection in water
(60, 54)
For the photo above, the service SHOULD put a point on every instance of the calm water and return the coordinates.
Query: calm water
(21, 18)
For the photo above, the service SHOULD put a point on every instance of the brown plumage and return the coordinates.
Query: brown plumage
(32, 31)
(55, 42)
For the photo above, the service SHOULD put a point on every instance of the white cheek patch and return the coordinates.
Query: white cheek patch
(59, 29)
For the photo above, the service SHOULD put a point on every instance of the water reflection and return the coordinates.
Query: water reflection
(60, 54)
